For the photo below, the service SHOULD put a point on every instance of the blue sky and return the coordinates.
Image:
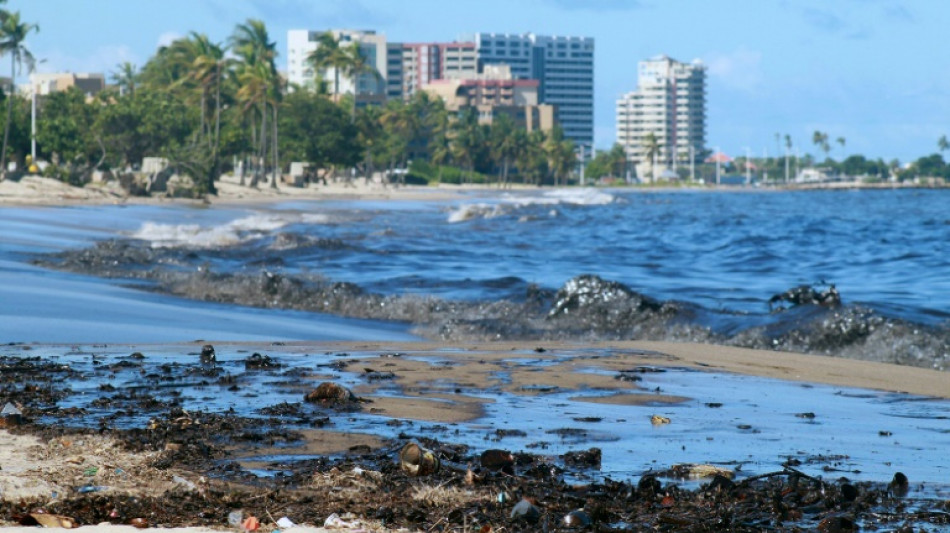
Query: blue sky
(875, 72)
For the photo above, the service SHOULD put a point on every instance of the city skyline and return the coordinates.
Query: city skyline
(865, 70)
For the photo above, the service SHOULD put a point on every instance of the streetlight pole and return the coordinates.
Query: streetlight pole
(718, 158)
(32, 121)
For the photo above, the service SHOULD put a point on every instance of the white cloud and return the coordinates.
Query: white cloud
(168, 38)
(740, 69)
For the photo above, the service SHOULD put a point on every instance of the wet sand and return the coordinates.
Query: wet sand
(437, 384)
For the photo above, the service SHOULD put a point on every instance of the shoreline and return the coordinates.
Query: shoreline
(32, 190)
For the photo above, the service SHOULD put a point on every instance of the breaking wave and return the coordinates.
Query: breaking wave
(230, 234)
(510, 203)
(586, 308)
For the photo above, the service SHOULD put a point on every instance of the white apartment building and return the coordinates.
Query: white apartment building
(670, 103)
(300, 43)
(564, 68)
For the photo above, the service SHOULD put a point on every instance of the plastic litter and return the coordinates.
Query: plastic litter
(334, 521)
(91, 488)
(285, 523)
(235, 518)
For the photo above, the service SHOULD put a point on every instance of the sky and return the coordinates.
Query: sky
(873, 72)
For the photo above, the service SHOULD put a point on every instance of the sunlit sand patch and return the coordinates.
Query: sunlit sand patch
(315, 442)
(632, 399)
(433, 408)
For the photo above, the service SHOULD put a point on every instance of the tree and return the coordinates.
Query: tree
(651, 147)
(942, 144)
(820, 139)
(561, 155)
(318, 131)
(260, 86)
(125, 77)
(329, 55)
(13, 33)
(504, 144)
(64, 133)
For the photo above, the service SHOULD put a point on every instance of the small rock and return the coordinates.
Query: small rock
(330, 393)
(207, 355)
(260, 362)
(658, 420)
(837, 524)
(497, 459)
(649, 486)
(899, 485)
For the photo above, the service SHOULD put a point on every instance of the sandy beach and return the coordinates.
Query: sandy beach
(436, 388)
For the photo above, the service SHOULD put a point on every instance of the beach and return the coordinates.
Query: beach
(454, 392)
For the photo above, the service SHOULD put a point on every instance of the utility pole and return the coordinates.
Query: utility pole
(748, 165)
(32, 121)
(582, 165)
(716, 155)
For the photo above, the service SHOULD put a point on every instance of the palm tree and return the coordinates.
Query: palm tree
(328, 54)
(504, 144)
(12, 34)
(260, 83)
(788, 148)
(561, 156)
(357, 66)
(125, 77)
(651, 147)
(943, 144)
(820, 139)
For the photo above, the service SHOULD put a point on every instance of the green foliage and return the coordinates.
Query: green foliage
(318, 131)
(63, 134)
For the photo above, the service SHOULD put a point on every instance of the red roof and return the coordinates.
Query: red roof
(719, 157)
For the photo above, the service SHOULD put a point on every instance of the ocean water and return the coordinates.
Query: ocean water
(544, 264)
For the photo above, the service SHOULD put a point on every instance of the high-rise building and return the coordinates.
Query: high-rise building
(366, 85)
(670, 105)
(422, 63)
(564, 68)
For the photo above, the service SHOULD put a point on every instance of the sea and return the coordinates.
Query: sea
(565, 264)
(862, 274)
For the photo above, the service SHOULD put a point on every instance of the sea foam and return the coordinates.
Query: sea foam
(227, 234)
(508, 203)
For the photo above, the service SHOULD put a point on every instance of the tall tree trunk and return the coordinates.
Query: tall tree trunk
(6, 129)
(273, 182)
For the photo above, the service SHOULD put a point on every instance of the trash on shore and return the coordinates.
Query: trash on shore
(418, 461)
(658, 420)
(700, 471)
(53, 520)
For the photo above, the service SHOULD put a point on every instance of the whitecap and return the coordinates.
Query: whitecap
(228, 234)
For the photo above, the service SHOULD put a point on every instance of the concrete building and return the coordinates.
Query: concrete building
(493, 93)
(670, 103)
(563, 67)
(423, 63)
(48, 83)
(366, 86)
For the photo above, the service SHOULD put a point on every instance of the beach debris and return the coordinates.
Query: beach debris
(497, 460)
(260, 362)
(139, 523)
(377, 375)
(418, 461)
(235, 518)
(526, 510)
(207, 355)
(699, 471)
(330, 393)
(251, 523)
(658, 420)
(649, 486)
(838, 523)
(577, 518)
(720, 483)
(585, 458)
(899, 485)
(12, 415)
(347, 521)
(285, 523)
(473, 477)
(53, 520)
(807, 416)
